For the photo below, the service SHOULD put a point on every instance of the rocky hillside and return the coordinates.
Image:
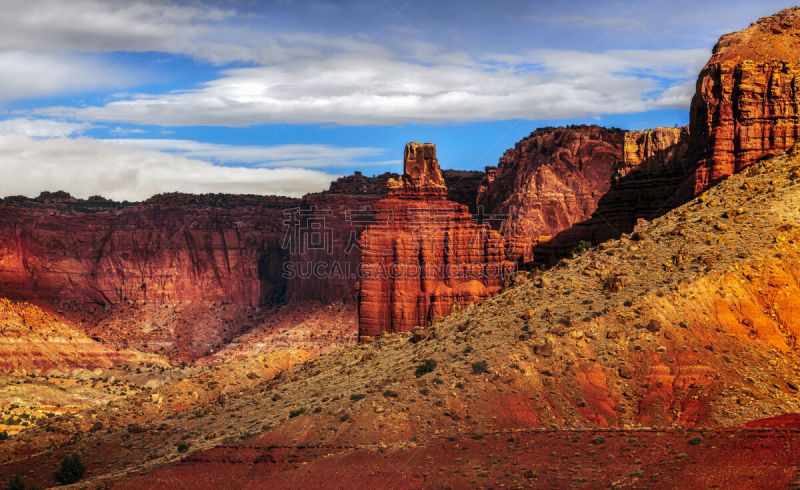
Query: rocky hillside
(690, 321)
(34, 341)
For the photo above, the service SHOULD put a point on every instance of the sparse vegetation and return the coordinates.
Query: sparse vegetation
(16, 483)
(183, 447)
(296, 412)
(425, 367)
(72, 469)
(580, 247)
(480, 367)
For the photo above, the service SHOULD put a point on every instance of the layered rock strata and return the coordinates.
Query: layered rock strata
(747, 103)
(549, 181)
(424, 255)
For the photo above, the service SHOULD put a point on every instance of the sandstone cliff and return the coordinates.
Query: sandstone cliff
(548, 182)
(643, 185)
(747, 101)
(170, 248)
(424, 255)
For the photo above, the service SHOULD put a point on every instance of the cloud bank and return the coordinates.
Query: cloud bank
(85, 167)
(349, 89)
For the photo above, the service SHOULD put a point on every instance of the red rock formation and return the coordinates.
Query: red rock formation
(549, 181)
(424, 255)
(247, 250)
(327, 270)
(746, 105)
(170, 248)
(422, 178)
(643, 185)
(32, 340)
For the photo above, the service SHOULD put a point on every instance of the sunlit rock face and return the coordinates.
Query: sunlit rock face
(747, 103)
(424, 255)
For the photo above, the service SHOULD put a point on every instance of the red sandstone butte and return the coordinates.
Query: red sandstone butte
(747, 103)
(549, 181)
(424, 255)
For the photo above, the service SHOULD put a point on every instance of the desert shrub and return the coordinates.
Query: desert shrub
(581, 247)
(425, 367)
(295, 413)
(479, 367)
(183, 447)
(390, 394)
(16, 483)
(357, 396)
(72, 469)
(3, 435)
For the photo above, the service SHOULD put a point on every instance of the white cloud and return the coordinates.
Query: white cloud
(103, 25)
(86, 167)
(32, 74)
(97, 26)
(305, 156)
(356, 90)
(41, 128)
(121, 130)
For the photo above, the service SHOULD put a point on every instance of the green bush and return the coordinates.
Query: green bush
(425, 367)
(581, 247)
(72, 469)
(479, 367)
(16, 483)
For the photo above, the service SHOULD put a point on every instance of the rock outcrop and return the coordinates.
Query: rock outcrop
(643, 186)
(424, 255)
(171, 248)
(32, 340)
(548, 182)
(747, 103)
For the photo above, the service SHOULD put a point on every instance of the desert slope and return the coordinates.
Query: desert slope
(32, 340)
(690, 321)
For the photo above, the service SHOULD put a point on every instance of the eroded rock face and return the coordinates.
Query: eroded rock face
(422, 177)
(643, 186)
(170, 248)
(424, 255)
(747, 103)
(549, 181)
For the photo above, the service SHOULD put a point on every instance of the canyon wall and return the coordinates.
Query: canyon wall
(549, 181)
(248, 250)
(424, 255)
(170, 248)
(561, 186)
(747, 103)
(643, 186)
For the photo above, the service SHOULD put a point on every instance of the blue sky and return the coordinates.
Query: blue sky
(128, 99)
